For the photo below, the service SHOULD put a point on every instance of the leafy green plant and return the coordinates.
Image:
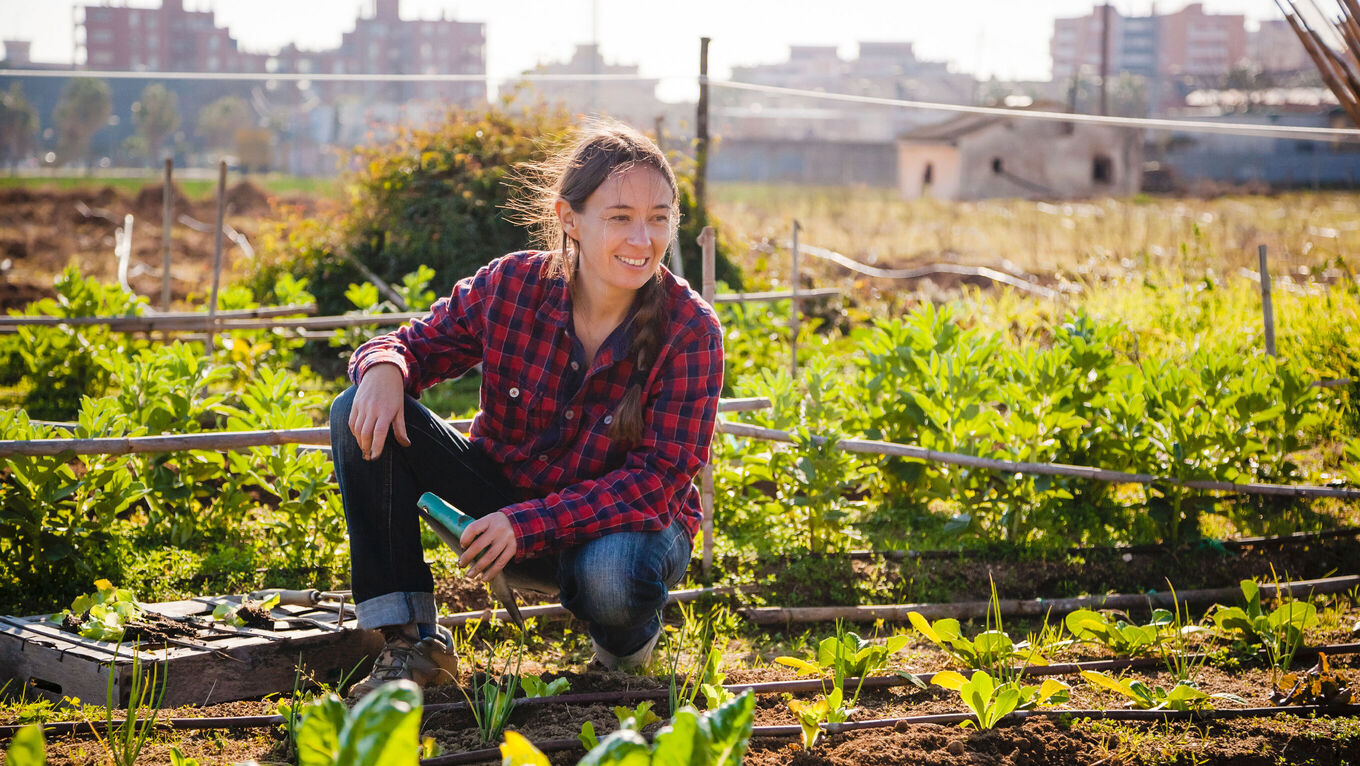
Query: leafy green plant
(534, 686)
(125, 741)
(990, 649)
(1175, 644)
(1280, 632)
(718, 737)
(991, 699)
(28, 747)
(1183, 696)
(1118, 635)
(382, 729)
(846, 656)
(231, 613)
(493, 699)
(101, 615)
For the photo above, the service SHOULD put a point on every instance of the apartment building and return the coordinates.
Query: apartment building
(171, 38)
(1187, 42)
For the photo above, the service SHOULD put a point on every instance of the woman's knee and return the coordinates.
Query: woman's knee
(616, 586)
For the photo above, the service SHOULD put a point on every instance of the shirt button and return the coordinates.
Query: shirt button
(576, 365)
(570, 415)
(542, 458)
(608, 419)
(514, 393)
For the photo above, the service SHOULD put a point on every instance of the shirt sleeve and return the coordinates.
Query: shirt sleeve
(443, 344)
(641, 496)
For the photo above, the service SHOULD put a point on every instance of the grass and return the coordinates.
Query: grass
(193, 188)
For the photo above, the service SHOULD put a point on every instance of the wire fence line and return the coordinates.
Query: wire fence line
(1302, 133)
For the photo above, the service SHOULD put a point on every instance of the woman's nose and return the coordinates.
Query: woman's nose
(639, 235)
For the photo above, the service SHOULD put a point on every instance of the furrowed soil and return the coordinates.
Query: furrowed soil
(557, 649)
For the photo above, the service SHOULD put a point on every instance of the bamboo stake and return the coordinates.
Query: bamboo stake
(167, 221)
(873, 447)
(217, 248)
(701, 136)
(202, 322)
(708, 247)
(1321, 60)
(1039, 607)
(1266, 306)
(557, 610)
(155, 318)
(231, 440)
(776, 295)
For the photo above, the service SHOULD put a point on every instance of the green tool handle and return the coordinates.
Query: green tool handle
(453, 519)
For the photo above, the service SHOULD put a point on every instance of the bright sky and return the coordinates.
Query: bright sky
(1005, 38)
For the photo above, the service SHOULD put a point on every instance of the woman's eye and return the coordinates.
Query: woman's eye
(620, 218)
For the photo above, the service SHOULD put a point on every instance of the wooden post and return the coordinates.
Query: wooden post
(708, 246)
(167, 220)
(217, 249)
(701, 137)
(1266, 308)
(794, 306)
(1105, 58)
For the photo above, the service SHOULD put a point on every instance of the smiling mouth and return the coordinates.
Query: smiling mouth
(636, 263)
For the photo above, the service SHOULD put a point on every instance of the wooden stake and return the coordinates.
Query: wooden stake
(701, 136)
(795, 308)
(708, 246)
(1266, 308)
(217, 249)
(167, 220)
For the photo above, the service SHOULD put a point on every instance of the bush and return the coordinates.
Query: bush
(435, 198)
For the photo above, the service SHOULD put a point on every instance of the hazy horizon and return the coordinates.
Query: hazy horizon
(985, 38)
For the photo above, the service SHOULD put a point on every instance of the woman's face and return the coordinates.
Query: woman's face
(623, 230)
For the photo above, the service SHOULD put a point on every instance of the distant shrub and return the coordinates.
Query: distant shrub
(433, 198)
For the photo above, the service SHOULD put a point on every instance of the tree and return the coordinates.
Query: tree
(18, 126)
(84, 108)
(219, 122)
(156, 115)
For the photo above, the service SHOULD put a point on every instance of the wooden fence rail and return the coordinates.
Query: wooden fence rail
(872, 447)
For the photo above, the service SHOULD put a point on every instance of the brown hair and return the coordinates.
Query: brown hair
(599, 149)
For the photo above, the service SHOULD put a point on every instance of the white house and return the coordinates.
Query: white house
(982, 156)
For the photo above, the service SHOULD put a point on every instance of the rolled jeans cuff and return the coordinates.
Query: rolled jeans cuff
(396, 609)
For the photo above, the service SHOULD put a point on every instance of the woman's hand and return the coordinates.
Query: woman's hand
(488, 545)
(379, 403)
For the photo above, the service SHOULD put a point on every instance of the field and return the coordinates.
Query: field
(1136, 347)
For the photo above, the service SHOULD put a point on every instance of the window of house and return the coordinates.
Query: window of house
(1102, 169)
(929, 177)
(997, 166)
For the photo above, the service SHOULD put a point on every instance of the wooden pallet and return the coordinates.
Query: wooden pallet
(224, 663)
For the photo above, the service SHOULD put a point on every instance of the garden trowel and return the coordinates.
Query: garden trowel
(448, 524)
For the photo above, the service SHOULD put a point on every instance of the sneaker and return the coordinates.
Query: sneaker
(607, 660)
(428, 661)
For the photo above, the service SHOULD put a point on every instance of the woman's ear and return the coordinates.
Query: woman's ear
(567, 217)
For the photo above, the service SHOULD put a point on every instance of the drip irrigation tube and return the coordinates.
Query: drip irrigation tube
(774, 615)
(591, 698)
(759, 732)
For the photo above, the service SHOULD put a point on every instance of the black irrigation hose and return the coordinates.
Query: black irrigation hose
(761, 732)
(591, 698)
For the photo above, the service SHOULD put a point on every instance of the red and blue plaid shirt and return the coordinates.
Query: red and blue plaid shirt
(546, 410)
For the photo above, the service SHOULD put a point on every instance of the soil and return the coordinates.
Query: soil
(44, 230)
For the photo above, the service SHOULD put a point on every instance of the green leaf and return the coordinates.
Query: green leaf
(27, 748)
(623, 747)
(519, 751)
(587, 736)
(384, 728)
(948, 679)
(684, 741)
(730, 727)
(318, 731)
(802, 666)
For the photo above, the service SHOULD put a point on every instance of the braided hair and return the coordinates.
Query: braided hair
(600, 149)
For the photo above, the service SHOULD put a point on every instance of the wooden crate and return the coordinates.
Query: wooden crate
(224, 663)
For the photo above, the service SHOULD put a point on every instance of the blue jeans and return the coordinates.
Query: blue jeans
(617, 584)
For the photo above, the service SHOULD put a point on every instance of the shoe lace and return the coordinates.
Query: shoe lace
(395, 657)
